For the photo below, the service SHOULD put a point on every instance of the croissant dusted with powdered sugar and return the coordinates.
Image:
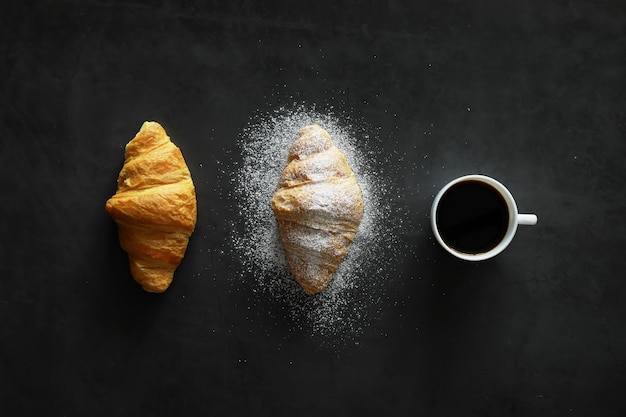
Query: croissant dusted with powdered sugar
(154, 207)
(318, 206)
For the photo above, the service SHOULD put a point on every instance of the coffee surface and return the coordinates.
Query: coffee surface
(472, 217)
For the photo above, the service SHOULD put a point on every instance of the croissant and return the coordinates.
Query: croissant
(318, 206)
(154, 207)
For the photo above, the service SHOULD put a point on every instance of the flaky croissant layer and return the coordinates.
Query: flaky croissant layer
(154, 207)
(318, 205)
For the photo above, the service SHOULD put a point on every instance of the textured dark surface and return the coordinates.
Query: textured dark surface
(530, 92)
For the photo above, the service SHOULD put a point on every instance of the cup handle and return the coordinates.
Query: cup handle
(527, 219)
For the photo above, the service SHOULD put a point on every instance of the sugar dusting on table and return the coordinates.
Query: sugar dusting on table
(345, 308)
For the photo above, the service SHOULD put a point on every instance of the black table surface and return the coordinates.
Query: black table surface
(529, 92)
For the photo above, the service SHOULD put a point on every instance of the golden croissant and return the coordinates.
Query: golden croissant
(318, 205)
(154, 207)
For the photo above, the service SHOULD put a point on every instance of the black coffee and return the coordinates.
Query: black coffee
(472, 217)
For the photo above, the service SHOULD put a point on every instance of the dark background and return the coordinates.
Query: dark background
(530, 92)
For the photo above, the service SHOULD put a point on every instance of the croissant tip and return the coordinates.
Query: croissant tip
(154, 290)
(150, 282)
(151, 125)
(312, 292)
(312, 126)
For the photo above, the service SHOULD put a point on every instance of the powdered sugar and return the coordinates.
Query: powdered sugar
(335, 201)
(346, 307)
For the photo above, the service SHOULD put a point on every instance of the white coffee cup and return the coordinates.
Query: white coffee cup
(508, 226)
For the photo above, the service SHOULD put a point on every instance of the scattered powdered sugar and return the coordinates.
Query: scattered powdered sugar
(348, 305)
